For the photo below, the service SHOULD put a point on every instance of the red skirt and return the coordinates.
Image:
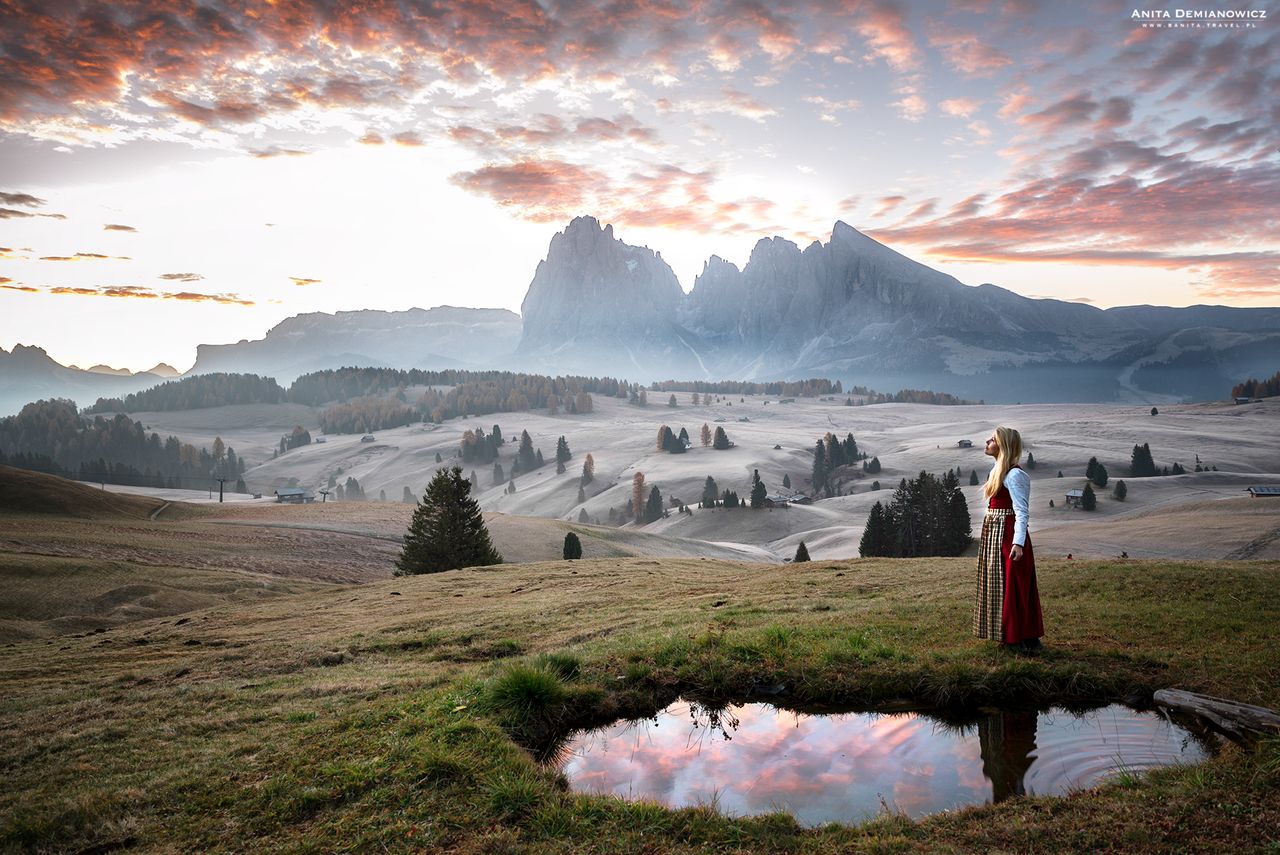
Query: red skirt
(1020, 617)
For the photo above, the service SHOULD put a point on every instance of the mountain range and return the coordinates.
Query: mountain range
(850, 309)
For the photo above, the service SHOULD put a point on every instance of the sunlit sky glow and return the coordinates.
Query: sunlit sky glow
(173, 173)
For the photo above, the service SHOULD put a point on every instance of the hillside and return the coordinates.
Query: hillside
(36, 493)
(367, 714)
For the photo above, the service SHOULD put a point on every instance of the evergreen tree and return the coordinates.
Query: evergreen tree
(1154, 411)
(671, 402)
(819, 475)
(572, 547)
(498, 475)
(758, 491)
(408, 498)
(973, 477)
(353, 491)
(1089, 500)
(582, 494)
(802, 554)
(710, 493)
(525, 455)
(706, 435)
(240, 486)
(1031, 461)
(1091, 469)
(875, 537)
(588, 469)
(447, 530)
(1141, 463)
(665, 438)
(1100, 475)
(537, 459)
(653, 507)
(875, 485)
(382, 495)
(1059, 473)
(684, 438)
(873, 466)
(496, 433)
(1177, 469)
(562, 452)
(439, 459)
(1120, 491)
(786, 481)
(721, 441)
(958, 528)
(582, 516)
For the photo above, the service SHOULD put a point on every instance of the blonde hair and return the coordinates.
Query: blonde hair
(1010, 442)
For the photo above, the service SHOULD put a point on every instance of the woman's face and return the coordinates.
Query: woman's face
(993, 447)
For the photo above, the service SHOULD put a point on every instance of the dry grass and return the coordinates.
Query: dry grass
(302, 716)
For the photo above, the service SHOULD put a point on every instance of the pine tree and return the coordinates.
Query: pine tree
(537, 459)
(973, 477)
(802, 554)
(875, 537)
(582, 494)
(588, 469)
(582, 516)
(1031, 460)
(873, 466)
(439, 459)
(665, 438)
(408, 498)
(1089, 501)
(758, 491)
(786, 481)
(653, 507)
(525, 454)
(958, 528)
(498, 475)
(721, 441)
(447, 530)
(382, 495)
(684, 438)
(671, 402)
(1091, 469)
(706, 435)
(710, 493)
(819, 475)
(1120, 491)
(562, 453)
(1100, 475)
(572, 547)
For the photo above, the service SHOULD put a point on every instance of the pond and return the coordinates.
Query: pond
(755, 758)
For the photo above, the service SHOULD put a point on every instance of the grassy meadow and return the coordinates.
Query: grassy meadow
(394, 715)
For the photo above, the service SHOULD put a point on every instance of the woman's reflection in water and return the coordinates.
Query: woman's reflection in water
(1007, 740)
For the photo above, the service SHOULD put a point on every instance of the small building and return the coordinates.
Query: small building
(776, 501)
(800, 500)
(965, 443)
(1245, 399)
(295, 496)
(368, 437)
(1266, 491)
(320, 439)
(1075, 498)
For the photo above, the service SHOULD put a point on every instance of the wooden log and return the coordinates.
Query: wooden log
(1230, 716)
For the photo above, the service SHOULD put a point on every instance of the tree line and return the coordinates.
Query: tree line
(51, 436)
(1257, 388)
(194, 393)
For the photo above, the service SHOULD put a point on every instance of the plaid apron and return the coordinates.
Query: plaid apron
(989, 603)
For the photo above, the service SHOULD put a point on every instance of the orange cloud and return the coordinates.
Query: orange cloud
(182, 277)
(300, 281)
(117, 227)
(408, 138)
(4, 283)
(144, 293)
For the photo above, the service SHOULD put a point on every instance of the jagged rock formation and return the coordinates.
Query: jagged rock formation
(595, 301)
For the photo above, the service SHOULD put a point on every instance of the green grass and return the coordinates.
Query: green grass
(413, 738)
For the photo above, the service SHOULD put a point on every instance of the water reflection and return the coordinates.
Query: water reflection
(754, 758)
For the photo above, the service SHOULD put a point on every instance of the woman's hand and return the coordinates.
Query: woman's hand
(1015, 554)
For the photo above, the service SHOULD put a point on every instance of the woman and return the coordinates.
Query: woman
(1007, 608)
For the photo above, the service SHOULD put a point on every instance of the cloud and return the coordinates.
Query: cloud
(883, 25)
(85, 256)
(182, 277)
(21, 199)
(968, 54)
(1077, 110)
(143, 293)
(235, 112)
(5, 284)
(302, 281)
(14, 214)
(828, 108)
(912, 108)
(408, 138)
(959, 108)
(277, 151)
(544, 191)
(371, 138)
(117, 227)
(887, 204)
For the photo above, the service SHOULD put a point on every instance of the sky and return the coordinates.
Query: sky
(176, 173)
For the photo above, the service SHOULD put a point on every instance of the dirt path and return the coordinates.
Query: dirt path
(158, 511)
